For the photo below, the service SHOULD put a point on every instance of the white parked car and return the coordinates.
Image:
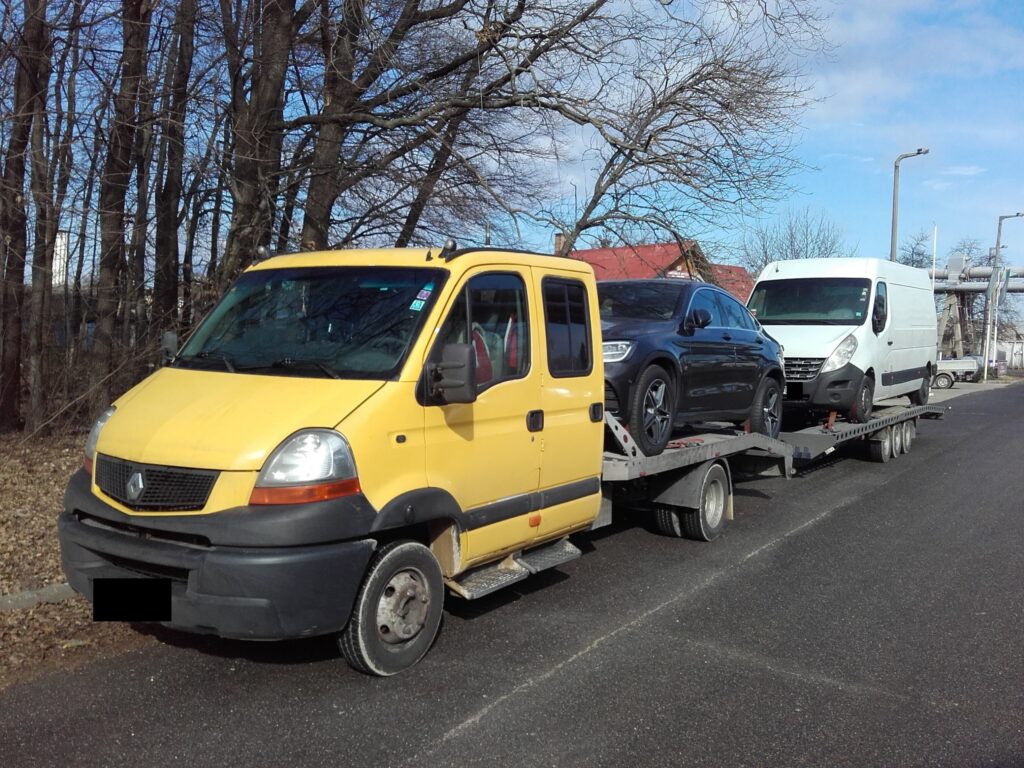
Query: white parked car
(854, 331)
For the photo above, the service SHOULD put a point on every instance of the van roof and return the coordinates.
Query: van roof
(844, 267)
(454, 261)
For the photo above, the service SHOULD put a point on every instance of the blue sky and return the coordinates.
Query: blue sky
(942, 74)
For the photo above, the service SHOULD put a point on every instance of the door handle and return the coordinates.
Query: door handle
(535, 421)
(727, 337)
(889, 343)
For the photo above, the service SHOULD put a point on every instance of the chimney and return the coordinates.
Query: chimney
(559, 242)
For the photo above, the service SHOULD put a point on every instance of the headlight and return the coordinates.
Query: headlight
(842, 355)
(616, 351)
(94, 436)
(311, 465)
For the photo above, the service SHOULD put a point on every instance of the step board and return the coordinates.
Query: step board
(490, 578)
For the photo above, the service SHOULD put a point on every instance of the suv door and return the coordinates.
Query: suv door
(747, 347)
(706, 359)
(483, 453)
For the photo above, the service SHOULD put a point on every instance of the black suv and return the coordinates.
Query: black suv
(682, 351)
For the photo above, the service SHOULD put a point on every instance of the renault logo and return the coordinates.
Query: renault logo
(135, 486)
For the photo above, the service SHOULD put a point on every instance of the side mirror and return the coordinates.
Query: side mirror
(453, 380)
(699, 318)
(168, 346)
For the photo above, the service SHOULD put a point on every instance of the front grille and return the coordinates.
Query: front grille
(803, 368)
(164, 489)
(611, 400)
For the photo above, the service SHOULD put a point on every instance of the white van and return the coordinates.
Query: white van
(854, 331)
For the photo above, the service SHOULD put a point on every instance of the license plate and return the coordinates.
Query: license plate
(131, 600)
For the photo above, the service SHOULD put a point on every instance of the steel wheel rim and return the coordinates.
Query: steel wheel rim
(403, 607)
(770, 413)
(657, 418)
(714, 503)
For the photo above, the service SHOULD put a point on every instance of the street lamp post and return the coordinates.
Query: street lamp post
(896, 195)
(992, 313)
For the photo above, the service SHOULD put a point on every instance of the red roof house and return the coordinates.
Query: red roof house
(664, 260)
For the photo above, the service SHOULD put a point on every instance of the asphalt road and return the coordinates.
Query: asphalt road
(860, 614)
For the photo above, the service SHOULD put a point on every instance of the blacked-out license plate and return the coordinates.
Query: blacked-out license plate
(131, 600)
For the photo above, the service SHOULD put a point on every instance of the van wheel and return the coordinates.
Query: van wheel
(943, 381)
(921, 396)
(766, 412)
(705, 522)
(864, 403)
(652, 410)
(398, 610)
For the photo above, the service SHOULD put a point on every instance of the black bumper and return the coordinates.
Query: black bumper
(249, 592)
(833, 391)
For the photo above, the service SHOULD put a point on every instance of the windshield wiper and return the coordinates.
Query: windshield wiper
(214, 355)
(292, 363)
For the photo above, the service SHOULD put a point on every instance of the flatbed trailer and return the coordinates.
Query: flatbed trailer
(689, 486)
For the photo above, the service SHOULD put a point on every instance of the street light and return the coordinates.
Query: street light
(896, 195)
(992, 313)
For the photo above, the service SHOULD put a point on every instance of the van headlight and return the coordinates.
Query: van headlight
(841, 356)
(311, 465)
(94, 438)
(616, 351)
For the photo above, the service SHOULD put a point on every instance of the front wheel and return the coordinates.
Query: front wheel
(398, 610)
(652, 410)
(863, 403)
(766, 412)
(943, 381)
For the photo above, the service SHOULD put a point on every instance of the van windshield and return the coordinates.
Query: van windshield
(338, 322)
(811, 301)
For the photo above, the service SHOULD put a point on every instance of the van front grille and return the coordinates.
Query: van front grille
(803, 368)
(154, 488)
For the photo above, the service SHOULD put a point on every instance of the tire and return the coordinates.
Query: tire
(909, 433)
(897, 440)
(652, 409)
(766, 411)
(398, 611)
(863, 403)
(705, 522)
(920, 397)
(880, 446)
(943, 381)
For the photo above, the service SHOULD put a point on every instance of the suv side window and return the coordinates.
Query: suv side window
(881, 311)
(734, 313)
(491, 315)
(567, 327)
(705, 299)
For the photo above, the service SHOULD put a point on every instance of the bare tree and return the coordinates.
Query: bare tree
(799, 234)
(916, 251)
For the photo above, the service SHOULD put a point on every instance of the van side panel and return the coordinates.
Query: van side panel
(913, 333)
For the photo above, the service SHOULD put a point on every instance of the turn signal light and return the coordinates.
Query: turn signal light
(304, 494)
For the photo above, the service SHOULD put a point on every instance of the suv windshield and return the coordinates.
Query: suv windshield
(639, 301)
(351, 322)
(811, 301)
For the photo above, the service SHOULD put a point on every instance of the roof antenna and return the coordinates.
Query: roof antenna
(450, 246)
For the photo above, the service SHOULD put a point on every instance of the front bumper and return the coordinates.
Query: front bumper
(236, 591)
(834, 391)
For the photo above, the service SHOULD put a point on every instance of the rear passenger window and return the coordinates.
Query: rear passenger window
(735, 314)
(567, 326)
(490, 314)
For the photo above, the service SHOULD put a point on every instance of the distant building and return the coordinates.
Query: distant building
(665, 260)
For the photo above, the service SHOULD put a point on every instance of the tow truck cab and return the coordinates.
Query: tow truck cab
(346, 435)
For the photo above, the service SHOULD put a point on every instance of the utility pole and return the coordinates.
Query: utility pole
(992, 313)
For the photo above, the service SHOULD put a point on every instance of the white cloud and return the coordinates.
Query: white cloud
(962, 170)
(937, 185)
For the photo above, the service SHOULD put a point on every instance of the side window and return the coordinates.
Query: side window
(567, 326)
(881, 310)
(734, 314)
(705, 299)
(490, 314)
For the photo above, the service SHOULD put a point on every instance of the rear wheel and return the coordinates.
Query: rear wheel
(943, 381)
(766, 412)
(920, 397)
(652, 409)
(864, 403)
(706, 521)
(398, 610)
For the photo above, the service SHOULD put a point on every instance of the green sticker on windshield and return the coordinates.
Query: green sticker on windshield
(417, 305)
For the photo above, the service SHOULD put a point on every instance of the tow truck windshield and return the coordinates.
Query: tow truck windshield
(811, 301)
(337, 322)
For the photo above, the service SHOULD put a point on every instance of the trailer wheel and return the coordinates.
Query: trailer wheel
(942, 381)
(909, 433)
(864, 403)
(398, 610)
(706, 521)
(880, 445)
(897, 440)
